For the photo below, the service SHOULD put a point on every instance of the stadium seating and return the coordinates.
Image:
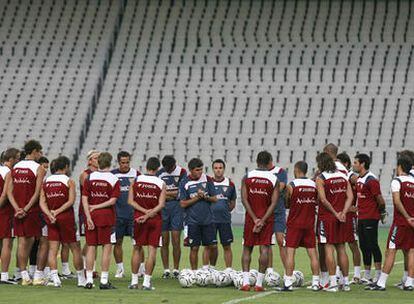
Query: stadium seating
(215, 79)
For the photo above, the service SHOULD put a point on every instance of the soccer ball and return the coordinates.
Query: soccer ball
(272, 279)
(213, 276)
(238, 280)
(222, 279)
(299, 278)
(253, 277)
(186, 278)
(203, 277)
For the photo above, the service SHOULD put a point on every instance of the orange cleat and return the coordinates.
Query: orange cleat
(258, 289)
(245, 288)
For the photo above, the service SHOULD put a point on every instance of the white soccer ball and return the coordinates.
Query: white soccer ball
(203, 277)
(186, 278)
(299, 278)
(272, 279)
(238, 280)
(222, 279)
(253, 277)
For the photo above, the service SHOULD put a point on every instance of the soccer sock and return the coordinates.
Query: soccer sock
(4, 276)
(357, 272)
(205, 267)
(147, 281)
(165, 270)
(38, 275)
(89, 276)
(104, 277)
(259, 281)
(17, 273)
(120, 266)
(25, 275)
(332, 280)
(288, 281)
(345, 280)
(269, 270)
(315, 280)
(228, 269)
(341, 278)
(134, 279)
(246, 280)
(81, 277)
(324, 278)
(367, 274)
(377, 275)
(65, 269)
(338, 272)
(46, 272)
(382, 279)
(409, 282)
(54, 275)
(404, 277)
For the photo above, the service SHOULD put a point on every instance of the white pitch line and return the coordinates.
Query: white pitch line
(257, 296)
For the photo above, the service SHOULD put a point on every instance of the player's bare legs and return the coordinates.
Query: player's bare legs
(386, 269)
(194, 257)
(165, 252)
(23, 251)
(64, 256)
(90, 261)
(149, 267)
(290, 261)
(245, 261)
(228, 256)
(176, 244)
(330, 263)
(106, 261)
(280, 239)
(42, 257)
(118, 256)
(324, 276)
(6, 250)
(78, 262)
(52, 260)
(208, 255)
(343, 262)
(356, 258)
(263, 263)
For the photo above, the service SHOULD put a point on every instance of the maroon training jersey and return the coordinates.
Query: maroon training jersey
(56, 189)
(335, 185)
(147, 190)
(368, 187)
(260, 185)
(405, 186)
(303, 204)
(24, 176)
(7, 208)
(99, 187)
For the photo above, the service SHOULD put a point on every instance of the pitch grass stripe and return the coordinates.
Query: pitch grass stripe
(257, 296)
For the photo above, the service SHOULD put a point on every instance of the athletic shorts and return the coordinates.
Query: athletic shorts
(400, 237)
(280, 222)
(63, 230)
(124, 227)
(298, 237)
(225, 232)
(100, 236)
(196, 235)
(172, 217)
(351, 229)
(29, 226)
(263, 238)
(6, 226)
(331, 231)
(148, 233)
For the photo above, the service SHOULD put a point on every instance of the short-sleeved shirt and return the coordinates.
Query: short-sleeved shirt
(147, 190)
(303, 203)
(199, 213)
(281, 175)
(7, 208)
(172, 180)
(123, 209)
(368, 188)
(341, 168)
(100, 187)
(56, 190)
(24, 176)
(405, 186)
(226, 192)
(260, 185)
(335, 186)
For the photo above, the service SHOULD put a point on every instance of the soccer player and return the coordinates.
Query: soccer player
(9, 158)
(172, 214)
(401, 234)
(23, 192)
(302, 200)
(279, 228)
(92, 158)
(371, 207)
(226, 201)
(99, 194)
(124, 212)
(352, 219)
(197, 194)
(335, 198)
(56, 201)
(260, 193)
(147, 197)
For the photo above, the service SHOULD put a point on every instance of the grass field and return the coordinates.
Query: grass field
(169, 291)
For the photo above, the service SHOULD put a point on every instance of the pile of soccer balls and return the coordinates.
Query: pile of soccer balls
(230, 277)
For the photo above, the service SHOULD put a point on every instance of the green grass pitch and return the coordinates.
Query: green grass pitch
(169, 291)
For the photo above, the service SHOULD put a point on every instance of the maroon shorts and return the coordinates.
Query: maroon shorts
(148, 233)
(6, 226)
(263, 238)
(351, 227)
(331, 231)
(400, 237)
(298, 237)
(100, 236)
(64, 230)
(29, 226)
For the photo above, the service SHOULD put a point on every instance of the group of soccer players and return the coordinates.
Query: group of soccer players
(338, 205)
